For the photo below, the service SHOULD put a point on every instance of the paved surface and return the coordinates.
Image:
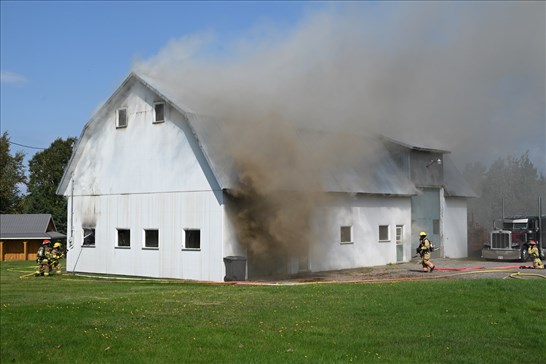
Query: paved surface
(445, 269)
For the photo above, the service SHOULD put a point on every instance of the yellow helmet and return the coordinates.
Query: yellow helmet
(57, 245)
(422, 233)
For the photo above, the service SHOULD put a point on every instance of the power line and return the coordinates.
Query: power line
(26, 146)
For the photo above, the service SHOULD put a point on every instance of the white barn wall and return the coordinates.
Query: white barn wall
(365, 214)
(455, 228)
(144, 176)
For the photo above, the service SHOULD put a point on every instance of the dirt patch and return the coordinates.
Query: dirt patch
(445, 269)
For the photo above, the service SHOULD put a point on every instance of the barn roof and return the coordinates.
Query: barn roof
(378, 176)
(28, 226)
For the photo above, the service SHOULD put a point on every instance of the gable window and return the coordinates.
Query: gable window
(192, 239)
(151, 238)
(159, 112)
(121, 118)
(346, 234)
(124, 237)
(384, 233)
(88, 236)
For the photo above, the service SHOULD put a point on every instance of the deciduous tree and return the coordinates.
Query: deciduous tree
(46, 169)
(13, 176)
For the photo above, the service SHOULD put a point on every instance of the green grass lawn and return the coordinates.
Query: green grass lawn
(71, 319)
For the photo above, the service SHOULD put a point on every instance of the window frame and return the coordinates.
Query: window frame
(118, 231)
(157, 103)
(350, 231)
(388, 238)
(118, 124)
(185, 237)
(145, 239)
(84, 228)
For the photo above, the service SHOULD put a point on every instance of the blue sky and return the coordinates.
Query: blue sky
(456, 74)
(60, 60)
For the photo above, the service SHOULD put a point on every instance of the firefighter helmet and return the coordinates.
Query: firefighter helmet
(532, 242)
(57, 245)
(422, 233)
(45, 242)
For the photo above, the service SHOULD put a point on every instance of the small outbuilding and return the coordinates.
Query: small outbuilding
(22, 234)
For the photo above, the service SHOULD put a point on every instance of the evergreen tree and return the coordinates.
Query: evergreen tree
(46, 169)
(13, 175)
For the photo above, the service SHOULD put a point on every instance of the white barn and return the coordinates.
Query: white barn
(149, 196)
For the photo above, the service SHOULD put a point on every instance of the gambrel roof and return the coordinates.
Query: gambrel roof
(385, 178)
(28, 226)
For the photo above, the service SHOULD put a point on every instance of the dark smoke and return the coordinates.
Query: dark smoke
(463, 76)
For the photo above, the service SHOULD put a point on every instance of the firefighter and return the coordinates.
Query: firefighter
(424, 250)
(43, 259)
(535, 254)
(56, 255)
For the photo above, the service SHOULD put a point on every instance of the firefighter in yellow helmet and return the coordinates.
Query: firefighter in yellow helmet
(43, 259)
(535, 254)
(424, 250)
(56, 255)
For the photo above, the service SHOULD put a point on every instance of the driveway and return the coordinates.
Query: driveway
(445, 269)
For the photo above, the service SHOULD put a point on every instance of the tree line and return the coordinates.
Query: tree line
(45, 170)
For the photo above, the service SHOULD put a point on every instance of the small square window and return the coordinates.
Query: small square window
(151, 238)
(346, 234)
(159, 112)
(121, 118)
(124, 237)
(88, 236)
(384, 233)
(192, 239)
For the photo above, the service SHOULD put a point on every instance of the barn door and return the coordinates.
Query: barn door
(425, 216)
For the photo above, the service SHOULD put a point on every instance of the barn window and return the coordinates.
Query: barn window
(192, 239)
(124, 237)
(346, 234)
(384, 233)
(436, 227)
(151, 238)
(88, 236)
(159, 112)
(121, 118)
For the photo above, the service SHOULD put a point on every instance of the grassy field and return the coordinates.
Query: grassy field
(71, 319)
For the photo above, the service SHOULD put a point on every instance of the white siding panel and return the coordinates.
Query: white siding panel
(170, 213)
(364, 214)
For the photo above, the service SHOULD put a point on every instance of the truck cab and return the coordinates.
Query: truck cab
(510, 238)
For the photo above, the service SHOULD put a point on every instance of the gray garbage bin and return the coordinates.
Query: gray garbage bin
(235, 268)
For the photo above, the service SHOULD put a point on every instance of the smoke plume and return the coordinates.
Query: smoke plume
(463, 76)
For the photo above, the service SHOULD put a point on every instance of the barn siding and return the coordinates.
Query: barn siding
(364, 213)
(170, 213)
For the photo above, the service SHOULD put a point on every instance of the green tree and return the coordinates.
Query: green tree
(46, 169)
(13, 175)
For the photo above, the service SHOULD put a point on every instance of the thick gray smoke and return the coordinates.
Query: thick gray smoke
(463, 76)
(466, 76)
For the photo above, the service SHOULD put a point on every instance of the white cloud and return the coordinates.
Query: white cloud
(13, 78)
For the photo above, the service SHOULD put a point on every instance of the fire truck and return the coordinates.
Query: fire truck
(511, 235)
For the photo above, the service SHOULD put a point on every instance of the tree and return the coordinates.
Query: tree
(46, 169)
(512, 182)
(13, 175)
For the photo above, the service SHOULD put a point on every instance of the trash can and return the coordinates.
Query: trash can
(235, 268)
